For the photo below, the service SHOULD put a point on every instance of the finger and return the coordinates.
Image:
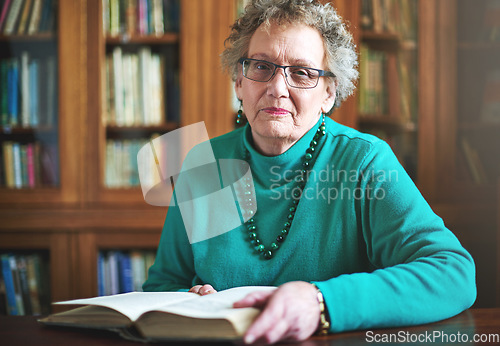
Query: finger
(206, 289)
(195, 289)
(254, 299)
(274, 332)
(272, 315)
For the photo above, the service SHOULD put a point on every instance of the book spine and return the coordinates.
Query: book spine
(8, 159)
(100, 274)
(118, 85)
(4, 92)
(136, 89)
(158, 17)
(113, 272)
(144, 81)
(25, 91)
(12, 17)
(13, 92)
(36, 15)
(24, 284)
(3, 14)
(109, 177)
(37, 166)
(9, 286)
(17, 285)
(33, 284)
(24, 15)
(51, 91)
(16, 154)
(128, 97)
(47, 11)
(30, 165)
(143, 17)
(24, 165)
(33, 93)
(126, 279)
(138, 270)
(114, 15)
(131, 17)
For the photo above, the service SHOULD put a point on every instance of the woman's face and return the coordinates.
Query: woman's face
(276, 111)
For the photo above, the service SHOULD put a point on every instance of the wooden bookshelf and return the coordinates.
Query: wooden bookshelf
(80, 216)
(387, 89)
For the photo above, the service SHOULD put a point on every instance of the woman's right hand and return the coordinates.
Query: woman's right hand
(202, 289)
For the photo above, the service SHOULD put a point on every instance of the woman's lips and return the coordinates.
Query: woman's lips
(275, 111)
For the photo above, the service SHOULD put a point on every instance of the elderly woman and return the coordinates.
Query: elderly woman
(337, 214)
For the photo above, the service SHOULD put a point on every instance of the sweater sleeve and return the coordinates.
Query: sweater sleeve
(173, 269)
(422, 273)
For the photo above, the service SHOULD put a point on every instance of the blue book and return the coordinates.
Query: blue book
(125, 270)
(16, 156)
(4, 87)
(10, 291)
(100, 274)
(13, 93)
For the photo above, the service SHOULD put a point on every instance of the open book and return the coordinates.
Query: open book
(152, 316)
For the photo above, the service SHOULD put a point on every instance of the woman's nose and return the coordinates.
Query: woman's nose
(277, 85)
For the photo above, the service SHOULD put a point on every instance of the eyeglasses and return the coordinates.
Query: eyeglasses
(297, 76)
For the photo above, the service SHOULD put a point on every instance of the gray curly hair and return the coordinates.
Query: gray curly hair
(341, 57)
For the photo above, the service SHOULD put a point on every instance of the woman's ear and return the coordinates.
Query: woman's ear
(237, 86)
(329, 101)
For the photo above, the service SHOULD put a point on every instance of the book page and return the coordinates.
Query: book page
(134, 304)
(216, 305)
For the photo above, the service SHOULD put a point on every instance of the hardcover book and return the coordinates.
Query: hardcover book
(156, 316)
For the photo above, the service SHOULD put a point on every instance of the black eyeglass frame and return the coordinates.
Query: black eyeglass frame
(322, 73)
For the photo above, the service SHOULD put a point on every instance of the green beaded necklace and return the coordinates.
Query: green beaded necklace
(267, 252)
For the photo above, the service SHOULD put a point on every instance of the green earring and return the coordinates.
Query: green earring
(239, 114)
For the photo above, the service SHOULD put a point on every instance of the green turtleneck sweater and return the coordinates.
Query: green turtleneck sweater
(362, 233)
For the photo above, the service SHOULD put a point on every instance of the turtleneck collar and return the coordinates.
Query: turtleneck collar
(270, 168)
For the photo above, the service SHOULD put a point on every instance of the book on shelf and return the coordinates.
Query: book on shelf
(3, 13)
(121, 162)
(156, 316)
(122, 271)
(373, 84)
(135, 88)
(23, 19)
(35, 17)
(28, 91)
(27, 17)
(390, 16)
(140, 17)
(25, 281)
(12, 18)
(29, 165)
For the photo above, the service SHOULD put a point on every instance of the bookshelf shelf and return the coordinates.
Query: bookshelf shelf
(169, 126)
(391, 124)
(7, 130)
(40, 37)
(167, 38)
(382, 40)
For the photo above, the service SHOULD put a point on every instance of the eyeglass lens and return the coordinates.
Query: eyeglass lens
(262, 71)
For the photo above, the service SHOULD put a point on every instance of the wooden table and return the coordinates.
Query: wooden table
(485, 323)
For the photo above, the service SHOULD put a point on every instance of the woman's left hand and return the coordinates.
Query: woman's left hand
(291, 312)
